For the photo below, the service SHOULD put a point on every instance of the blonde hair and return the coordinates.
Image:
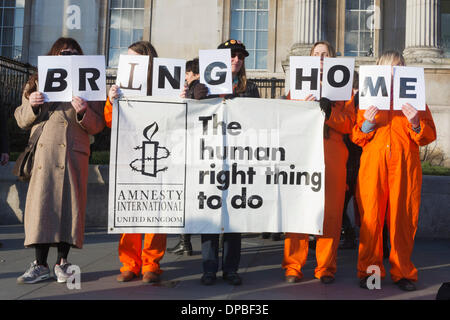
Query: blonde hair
(391, 58)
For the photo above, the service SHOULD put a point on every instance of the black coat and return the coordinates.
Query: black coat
(251, 91)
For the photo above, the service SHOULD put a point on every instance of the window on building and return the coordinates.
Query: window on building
(359, 27)
(249, 23)
(11, 28)
(445, 27)
(126, 26)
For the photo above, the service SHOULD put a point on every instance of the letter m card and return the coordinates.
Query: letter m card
(375, 87)
(409, 87)
(215, 70)
(55, 78)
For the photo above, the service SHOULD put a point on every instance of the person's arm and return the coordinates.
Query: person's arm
(29, 111)
(421, 126)
(365, 127)
(91, 118)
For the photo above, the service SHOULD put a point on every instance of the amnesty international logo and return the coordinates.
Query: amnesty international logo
(147, 164)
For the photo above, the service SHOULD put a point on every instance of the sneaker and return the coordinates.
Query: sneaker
(34, 273)
(60, 271)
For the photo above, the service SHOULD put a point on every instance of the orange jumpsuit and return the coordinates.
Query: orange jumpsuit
(341, 122)
(133, 257)
(389, 183)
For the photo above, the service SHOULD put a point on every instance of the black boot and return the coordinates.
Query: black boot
(184, 246)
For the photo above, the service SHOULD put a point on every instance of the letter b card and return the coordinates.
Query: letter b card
(61, 77)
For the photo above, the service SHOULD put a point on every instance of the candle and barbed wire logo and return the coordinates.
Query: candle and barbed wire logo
(147, 164)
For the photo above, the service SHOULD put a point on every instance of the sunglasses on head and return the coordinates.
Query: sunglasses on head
(69, 53)
(240, 56)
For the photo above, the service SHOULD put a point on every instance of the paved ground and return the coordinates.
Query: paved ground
(260, 269)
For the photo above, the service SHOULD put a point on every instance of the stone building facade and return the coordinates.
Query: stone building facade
(272, 30)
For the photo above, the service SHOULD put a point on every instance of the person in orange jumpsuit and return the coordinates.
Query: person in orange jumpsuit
(340, 118)
(389, 183)
(133, 256)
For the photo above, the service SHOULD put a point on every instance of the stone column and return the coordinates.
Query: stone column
(307, 26)
(422, 29)
(307, 30)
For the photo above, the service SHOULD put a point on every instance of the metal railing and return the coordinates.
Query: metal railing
(268, 88)
(13, 77)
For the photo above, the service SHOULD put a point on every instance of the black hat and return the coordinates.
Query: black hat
(234, 45)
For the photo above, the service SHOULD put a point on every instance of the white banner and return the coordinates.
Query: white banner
(208, 166)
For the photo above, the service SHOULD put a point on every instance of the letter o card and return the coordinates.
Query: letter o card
(55, 78)
(409, 87)
(337, 83)
(215, 70)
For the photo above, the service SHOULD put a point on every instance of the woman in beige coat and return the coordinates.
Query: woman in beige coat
(56, 198)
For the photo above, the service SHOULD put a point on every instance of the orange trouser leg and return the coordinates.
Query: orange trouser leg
(130, 245)
(335, 185)
(404, 202)
(296, 245)
(372, 197)
(153, 252)
(295, 253)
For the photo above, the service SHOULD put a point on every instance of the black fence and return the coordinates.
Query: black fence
(14, 75)
(268, 88)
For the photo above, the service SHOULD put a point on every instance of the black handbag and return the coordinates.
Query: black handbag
(24, 163)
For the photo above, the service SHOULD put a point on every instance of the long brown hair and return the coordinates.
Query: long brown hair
(331, 51)
(145, 48)
(331, 54)
(242, 79)
(59, 45)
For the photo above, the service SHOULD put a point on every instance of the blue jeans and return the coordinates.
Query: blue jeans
(231, 252)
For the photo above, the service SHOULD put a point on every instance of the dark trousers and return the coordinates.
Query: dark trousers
(230, 256)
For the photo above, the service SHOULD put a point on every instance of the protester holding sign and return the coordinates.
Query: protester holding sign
(56, 198)
(138, 48)
(231, 241)
(241, 86)
(193, 89)
(340, 117)
(133, 256)
(389, 182)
